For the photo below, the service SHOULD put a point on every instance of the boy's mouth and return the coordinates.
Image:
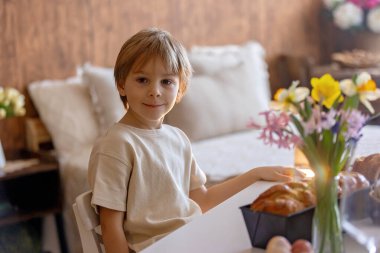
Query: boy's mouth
(153, 105)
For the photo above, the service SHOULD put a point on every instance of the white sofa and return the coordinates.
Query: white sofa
(228, 89)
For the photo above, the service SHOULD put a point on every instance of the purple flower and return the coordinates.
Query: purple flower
(355, 121)
(328, 119)
(320, 120)
(275, 131)
(314, 123)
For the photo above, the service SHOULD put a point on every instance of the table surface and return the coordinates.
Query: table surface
(222, 229)
(39, 163)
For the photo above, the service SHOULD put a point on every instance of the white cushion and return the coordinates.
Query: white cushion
(210, 60)
(66, 109)
(105, 97)
(233, 154)
(230, 86)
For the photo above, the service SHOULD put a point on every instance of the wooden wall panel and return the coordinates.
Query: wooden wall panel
(48, 39)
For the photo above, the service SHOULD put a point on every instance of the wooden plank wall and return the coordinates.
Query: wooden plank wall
(47, 39)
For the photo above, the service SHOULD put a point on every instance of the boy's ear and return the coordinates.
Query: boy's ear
(179, 97)
(121, 90)
(181, 92)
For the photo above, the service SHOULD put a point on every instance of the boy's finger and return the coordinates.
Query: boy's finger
(283, 176)
(294, 173)
(300, 173)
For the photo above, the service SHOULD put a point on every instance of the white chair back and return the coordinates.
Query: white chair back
(88, 224)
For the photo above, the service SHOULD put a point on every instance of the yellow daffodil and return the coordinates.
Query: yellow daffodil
(284, 98)
(364, 86)
(326, 90)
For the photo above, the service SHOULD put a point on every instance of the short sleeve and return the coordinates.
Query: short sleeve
(197, 177)
(108, 178)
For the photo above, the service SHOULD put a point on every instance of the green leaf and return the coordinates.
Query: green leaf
(298, 125)
(301, 112)
(351, 102)
(326, 143)
(354, 77)
(336, 102)
(308, 109)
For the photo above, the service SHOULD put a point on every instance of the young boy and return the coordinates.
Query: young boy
(143, 175)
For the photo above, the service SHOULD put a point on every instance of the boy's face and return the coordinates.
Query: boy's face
(151, 91)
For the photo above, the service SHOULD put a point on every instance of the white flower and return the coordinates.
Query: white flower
(348, 15)
(348, 87)
(19, 101)
(12, 102)
(330, 4)
(2, 94)
(363, 77)
(11, 93)
(364, 86)
(3, 113)
(373, 20)
(284, 98)
(18, 104)
(20, 111)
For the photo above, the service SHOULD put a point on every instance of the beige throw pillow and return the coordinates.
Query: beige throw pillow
(105, 97)
(66, 109)
(230, 86)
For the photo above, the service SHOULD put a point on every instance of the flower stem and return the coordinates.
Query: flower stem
(327, 232)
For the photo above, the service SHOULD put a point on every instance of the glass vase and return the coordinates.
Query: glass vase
(360, 212)
(327, 229)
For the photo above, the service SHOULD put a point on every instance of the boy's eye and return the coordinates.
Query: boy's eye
(167, 82)
(142, 80)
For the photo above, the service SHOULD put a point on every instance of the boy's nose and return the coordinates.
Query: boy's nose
(155, 90)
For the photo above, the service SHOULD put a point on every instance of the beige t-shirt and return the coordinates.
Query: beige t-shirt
(160, 169)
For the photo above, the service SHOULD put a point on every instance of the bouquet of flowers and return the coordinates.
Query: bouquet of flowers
(325, 125)
(349, 14)
(12, 103)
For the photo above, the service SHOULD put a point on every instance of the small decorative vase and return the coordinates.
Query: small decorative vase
(327, 229)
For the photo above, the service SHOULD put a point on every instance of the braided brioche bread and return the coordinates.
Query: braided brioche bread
(284, 199)
(288, 198)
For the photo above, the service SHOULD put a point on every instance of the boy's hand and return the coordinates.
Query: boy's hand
(279, 173)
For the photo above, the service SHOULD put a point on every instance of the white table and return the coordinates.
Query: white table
(221, 230)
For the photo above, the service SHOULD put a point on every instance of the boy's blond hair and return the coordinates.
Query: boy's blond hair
(147, 44)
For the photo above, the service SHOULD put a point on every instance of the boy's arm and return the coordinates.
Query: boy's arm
(111, 222)
(209, 198)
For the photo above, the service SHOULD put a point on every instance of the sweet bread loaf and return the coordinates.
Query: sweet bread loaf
(367, 165)
(287, 198)
(284, 199)
(351, 181)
